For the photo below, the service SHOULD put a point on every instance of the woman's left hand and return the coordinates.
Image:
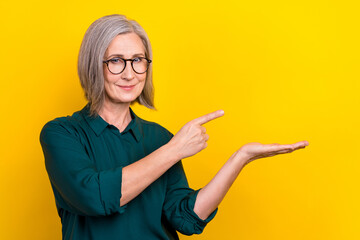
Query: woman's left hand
(255, 150)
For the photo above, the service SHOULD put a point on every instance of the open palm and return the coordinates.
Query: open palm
(257, 150)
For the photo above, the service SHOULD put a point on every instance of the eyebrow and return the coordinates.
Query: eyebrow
(120, 55)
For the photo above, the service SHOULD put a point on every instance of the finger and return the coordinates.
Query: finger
(203, 129)
(208, 117)
(277, 146)
(206, 137)
(287, 148)
(301, 144)
(284, 151)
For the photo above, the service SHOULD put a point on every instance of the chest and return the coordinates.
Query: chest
(113, 149)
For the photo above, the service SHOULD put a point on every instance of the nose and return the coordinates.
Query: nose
(128, 72)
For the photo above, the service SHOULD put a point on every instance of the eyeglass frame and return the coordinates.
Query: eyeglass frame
(132, 66)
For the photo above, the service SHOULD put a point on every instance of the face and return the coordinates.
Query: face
(128, 85)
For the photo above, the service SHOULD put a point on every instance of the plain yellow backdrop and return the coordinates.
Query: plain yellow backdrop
(283, 71)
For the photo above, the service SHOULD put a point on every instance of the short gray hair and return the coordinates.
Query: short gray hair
(90, 60)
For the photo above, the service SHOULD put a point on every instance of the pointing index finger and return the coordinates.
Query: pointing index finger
(208, 117)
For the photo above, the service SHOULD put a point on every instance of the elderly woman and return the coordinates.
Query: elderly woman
(117, 176)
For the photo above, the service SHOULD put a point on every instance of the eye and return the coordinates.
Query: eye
(137, 59)
(115, 60)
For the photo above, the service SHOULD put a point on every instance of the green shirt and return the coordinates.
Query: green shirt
(84, 157)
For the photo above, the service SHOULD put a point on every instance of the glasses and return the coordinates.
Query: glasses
(117, 65)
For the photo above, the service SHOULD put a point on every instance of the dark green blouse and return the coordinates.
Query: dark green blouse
(84, 157)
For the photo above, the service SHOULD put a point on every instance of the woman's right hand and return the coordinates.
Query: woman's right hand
(192, 137)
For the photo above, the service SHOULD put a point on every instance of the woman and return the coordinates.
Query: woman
(117, 176)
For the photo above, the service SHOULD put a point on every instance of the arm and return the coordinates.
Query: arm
(178, 207)
(78, 186)
(213, 193)
(82, 189)
(187, 142)
(210, 196)
(190, 140)
(139, 175)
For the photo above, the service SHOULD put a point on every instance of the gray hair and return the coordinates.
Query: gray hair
(90, 60)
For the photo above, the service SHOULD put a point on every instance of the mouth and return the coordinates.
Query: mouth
(126, 87)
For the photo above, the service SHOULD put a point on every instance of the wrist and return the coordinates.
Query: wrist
(240, 158)
(172, 153)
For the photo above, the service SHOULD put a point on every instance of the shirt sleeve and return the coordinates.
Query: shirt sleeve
(78, 187)
(180, 201)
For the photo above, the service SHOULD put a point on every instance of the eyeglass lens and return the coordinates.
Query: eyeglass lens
(117, 65)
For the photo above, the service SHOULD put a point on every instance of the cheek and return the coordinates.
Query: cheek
(141, 87)
(143, 84)
(110, 78)
(142, 80)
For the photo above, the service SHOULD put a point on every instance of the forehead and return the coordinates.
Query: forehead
(126, 44)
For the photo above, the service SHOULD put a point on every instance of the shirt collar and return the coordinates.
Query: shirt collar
(98, 124)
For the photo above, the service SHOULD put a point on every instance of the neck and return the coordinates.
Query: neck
(116, 114)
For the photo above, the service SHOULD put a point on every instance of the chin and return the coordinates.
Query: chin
(126, 100)
(123, 97)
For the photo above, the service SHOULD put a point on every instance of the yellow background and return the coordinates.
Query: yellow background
(283, 71)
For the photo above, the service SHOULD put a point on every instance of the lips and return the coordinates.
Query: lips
(127, 87)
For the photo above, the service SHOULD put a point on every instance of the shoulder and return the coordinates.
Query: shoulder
(66, 125)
